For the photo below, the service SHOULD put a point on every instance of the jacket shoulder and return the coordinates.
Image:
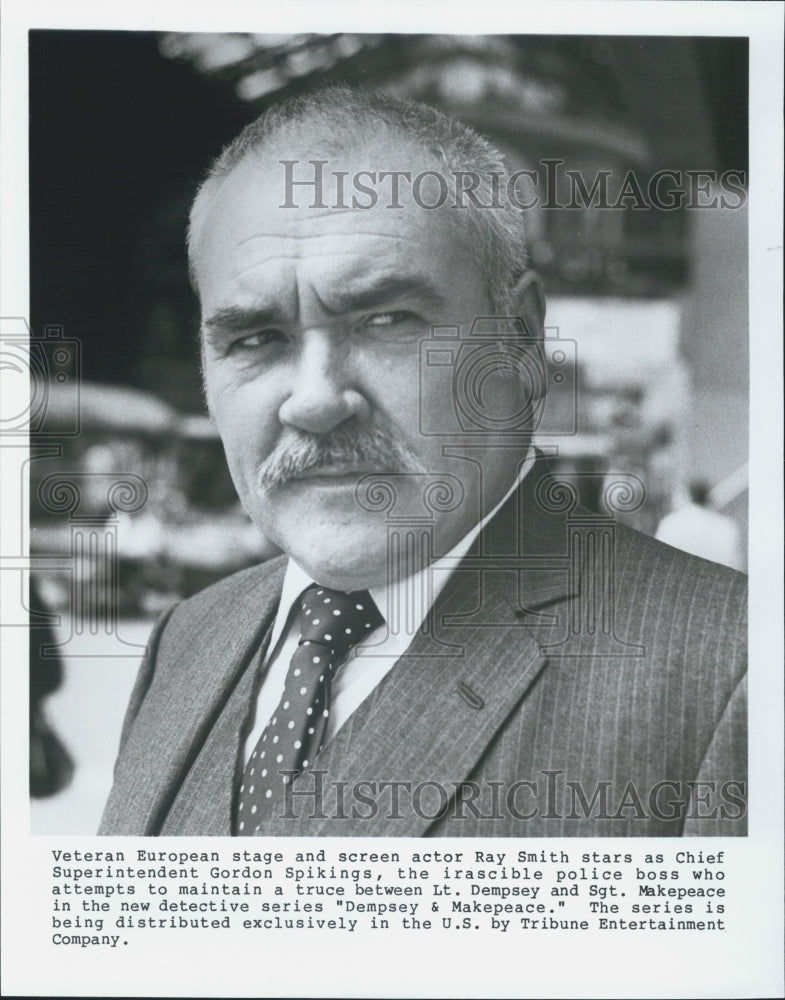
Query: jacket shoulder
(646, 556)
(255, 582)
(676, 601)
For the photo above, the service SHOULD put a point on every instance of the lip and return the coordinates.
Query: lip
(332, 473)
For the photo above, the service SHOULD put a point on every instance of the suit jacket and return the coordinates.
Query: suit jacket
(574, 678)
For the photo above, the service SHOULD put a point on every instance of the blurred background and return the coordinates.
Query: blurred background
(122, 126)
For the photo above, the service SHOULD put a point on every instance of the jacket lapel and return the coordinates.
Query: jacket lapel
(433, 717)
(177, 717)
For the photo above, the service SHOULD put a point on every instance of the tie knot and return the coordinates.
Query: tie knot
(336, 619)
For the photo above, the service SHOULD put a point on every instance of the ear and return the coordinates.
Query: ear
(203, 372)
(528, 302)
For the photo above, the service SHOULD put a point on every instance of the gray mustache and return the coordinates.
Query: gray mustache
(371, 448)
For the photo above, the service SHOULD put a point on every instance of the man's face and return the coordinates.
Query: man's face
(312, 321)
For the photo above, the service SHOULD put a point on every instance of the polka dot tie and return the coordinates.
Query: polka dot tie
(330, 623)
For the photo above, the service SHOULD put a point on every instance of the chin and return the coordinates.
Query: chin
(337, 544)
(335, 555)
(353, 571)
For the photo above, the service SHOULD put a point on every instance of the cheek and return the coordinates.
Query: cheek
(435, 400)
(392, 385)
(247, 420)
(413, 406)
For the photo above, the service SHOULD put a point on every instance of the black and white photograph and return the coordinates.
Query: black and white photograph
(391, 472)
(476, 370)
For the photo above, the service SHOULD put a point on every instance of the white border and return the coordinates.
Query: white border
(736, 966)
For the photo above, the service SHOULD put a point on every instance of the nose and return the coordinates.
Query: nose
(322, 396)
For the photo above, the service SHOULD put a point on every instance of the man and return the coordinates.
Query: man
(446, 646)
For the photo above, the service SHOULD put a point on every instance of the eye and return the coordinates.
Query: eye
(253, 341)
(396, 326)
(392, 318)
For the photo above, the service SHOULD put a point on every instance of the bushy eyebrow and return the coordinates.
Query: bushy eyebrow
(383, 290)
(236, 319)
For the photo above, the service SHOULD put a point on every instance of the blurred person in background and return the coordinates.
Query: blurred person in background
(51, 765)
(697, 528)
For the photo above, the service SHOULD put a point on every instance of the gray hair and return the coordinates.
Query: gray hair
(339, 118)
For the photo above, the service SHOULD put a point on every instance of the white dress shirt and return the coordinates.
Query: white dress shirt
(366, 665)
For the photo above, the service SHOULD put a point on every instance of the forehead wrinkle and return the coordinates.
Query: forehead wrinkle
(362, 285)
(350, 295)
(321, 213)
(290, 257)
(322, 236)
